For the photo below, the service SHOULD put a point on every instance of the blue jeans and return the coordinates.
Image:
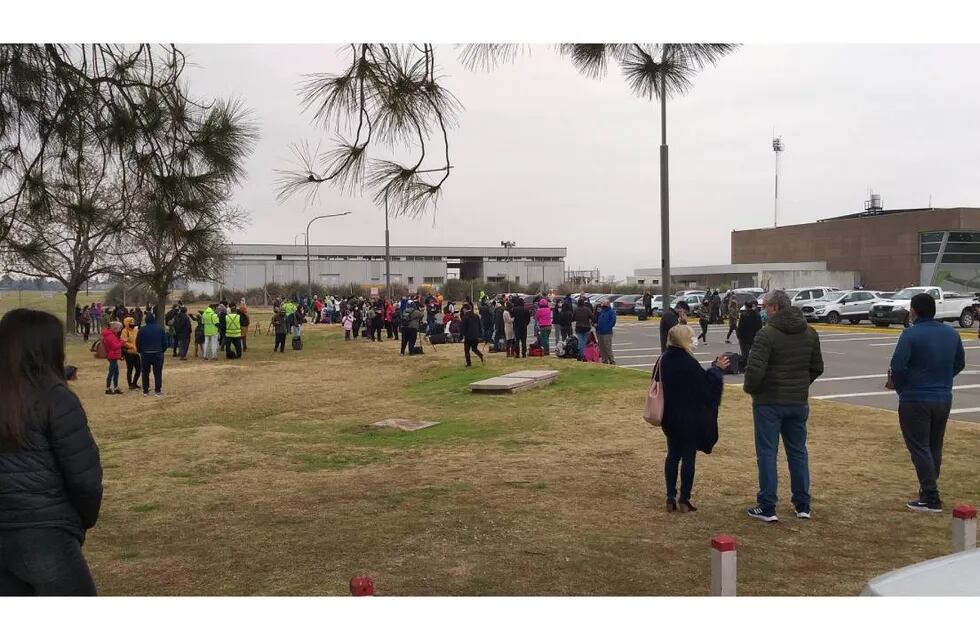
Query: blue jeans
(583, 338)
(112, 378)
(771, 421)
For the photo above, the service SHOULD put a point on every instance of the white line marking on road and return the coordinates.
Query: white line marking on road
(643, 355)
(852, 339)
(633, 366)
(621, 344)
(883, 344)
(884, 393)
(978, 347)
(638, 349)
(970, 410)
(867, 377)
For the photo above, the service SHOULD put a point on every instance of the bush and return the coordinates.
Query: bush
(135, 295)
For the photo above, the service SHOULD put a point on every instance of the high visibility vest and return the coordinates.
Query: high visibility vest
(233, 325)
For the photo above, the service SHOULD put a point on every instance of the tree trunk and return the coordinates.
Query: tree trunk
(71, 299)
(161, 303)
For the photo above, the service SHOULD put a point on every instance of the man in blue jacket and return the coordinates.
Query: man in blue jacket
(151, 343)
(604, 331)
(927, 357)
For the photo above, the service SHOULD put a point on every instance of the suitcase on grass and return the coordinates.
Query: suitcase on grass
(437, 338)
(297, 343)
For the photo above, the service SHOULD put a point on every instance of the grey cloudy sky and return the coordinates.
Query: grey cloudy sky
(545, 157)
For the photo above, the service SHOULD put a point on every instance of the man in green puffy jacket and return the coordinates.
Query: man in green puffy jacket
(210, 320)
(783, 362)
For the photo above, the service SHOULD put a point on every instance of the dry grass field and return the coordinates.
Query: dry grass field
(261, 477)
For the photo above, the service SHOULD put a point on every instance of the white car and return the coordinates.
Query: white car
(853, 306)
(953, 575)
(950, 307)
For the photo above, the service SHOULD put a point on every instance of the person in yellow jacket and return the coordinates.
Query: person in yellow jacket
(133, 368)
(233, 333)
(210, 320)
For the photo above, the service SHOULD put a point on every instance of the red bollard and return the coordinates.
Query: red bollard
(964, 528)
(723, 565)
(361, 585)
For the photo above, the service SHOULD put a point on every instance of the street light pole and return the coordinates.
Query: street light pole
(387, 250)
(508, 245)
(664, 198)
(309, 272)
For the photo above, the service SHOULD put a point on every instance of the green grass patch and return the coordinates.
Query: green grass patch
(146, 507)
(129, 555)
(448, 432)
(338, 460)
(180, 474)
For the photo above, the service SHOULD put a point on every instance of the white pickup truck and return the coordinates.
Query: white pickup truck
(950, 306)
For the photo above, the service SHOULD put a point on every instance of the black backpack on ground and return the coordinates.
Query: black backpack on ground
(297, 343)
(734, 367)
(416, 351)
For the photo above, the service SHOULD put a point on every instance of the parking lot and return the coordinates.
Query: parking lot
(855, 363)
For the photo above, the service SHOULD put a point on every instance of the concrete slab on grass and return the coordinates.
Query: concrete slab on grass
(404, 424)
(515, 382)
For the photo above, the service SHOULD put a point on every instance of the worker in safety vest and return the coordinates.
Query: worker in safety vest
(233, 333)
(210, 320)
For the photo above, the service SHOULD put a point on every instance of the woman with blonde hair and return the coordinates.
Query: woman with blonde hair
(690, 420)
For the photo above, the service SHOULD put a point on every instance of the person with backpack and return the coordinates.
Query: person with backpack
(279, 329)
(182, 332)
(582, 318)
(233, 334)
(604, 331)
(50, 472)
(211, 332)
(410, 328)
(151, 343)
(171, 334)
(471, 331)
(691, 397)
(113, 353)
(132, 356)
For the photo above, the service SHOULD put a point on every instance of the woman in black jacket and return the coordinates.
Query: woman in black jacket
(50, 473)
(471, 334)
(690, 421)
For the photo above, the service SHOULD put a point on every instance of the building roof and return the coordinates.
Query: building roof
(264, 250)
(721, 269)
(883, 212)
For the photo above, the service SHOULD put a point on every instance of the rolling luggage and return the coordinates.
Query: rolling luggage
(641, 315)
(298, 343)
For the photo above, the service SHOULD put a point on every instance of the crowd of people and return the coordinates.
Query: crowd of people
(782, 358)
(52, 476)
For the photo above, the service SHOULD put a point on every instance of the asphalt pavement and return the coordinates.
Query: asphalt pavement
(855, 362)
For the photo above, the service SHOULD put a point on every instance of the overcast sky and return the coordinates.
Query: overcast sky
(545, 157)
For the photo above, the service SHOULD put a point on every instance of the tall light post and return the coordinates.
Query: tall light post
(387, 251)
(507, 244)
(777, 147)
(309, 272)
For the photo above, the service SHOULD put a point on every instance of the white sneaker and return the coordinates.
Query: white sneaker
(802, 515)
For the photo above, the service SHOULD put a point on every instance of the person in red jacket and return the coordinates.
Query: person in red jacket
(113, 349)
(390, 326)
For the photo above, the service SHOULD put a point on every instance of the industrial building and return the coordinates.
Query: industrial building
(875, 248)
(255, 265)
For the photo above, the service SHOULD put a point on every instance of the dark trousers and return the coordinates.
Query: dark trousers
(112, 378)
(704, 330)
(85, 331)
(244, 344)
(678, 452)
(474, 346)
(173, 343)
(744, 346)
(280, 343)
(409, 336)
(357, 328)
(233, 345)
(376, 332)
(183, 343)
(923, 427)
(520, 339)
(152, 361)
(133, 370)
(732, 326)
(45, 561)
(389, 329)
